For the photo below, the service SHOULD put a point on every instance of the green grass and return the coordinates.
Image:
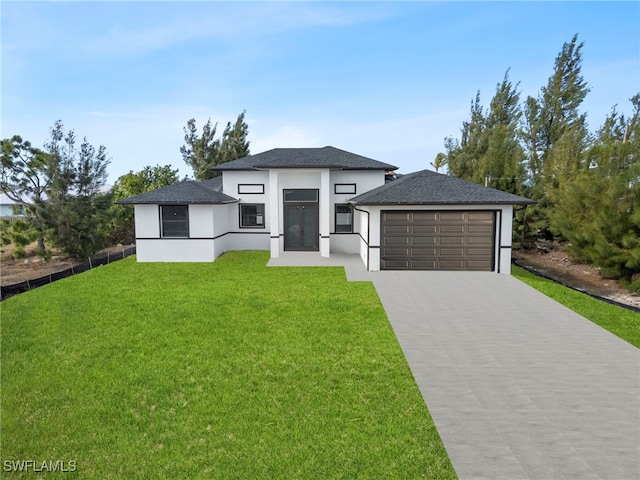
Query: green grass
(224, 370)
(620, 321)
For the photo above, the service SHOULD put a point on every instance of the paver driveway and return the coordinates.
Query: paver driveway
(518, 385)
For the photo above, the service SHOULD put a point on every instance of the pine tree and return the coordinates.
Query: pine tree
(463, 156)
(76, 210)
(556, 136)
(206, 151)
(599, 211)
(503, 163)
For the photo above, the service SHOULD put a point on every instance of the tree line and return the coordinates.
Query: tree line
(586, 185)
(60, 189)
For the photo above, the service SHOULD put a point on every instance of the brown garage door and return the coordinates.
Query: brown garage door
(452, 240)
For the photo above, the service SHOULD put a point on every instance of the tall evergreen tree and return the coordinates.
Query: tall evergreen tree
(76, 210)
(556, 135)
(489, 150)
(463, 155)
(503, 162)
(201, 152)
(599, 211)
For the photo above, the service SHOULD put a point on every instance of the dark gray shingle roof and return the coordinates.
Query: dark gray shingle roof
(326, 157)
(214, 183)
(430, 188)
(187, 192)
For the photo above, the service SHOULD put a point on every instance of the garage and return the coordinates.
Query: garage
(437, 240)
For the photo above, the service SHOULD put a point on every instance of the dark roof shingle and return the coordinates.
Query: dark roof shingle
(187, 192)
(430, 188)
(326, 157)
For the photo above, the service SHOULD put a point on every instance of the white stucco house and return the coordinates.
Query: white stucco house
(327, 200)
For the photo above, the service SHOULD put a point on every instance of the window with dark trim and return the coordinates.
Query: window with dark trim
(344, 188)
(252, 215)
(175, 221)
(248, 188)
(344, 218)
(301, 195)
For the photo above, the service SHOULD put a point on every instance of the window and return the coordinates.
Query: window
(250, 188)
(344, 218)
(345, 188)
(252, 216)
(301, 195)
(175, 220)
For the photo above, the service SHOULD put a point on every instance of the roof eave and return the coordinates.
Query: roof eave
(176, 202)
(440, 203)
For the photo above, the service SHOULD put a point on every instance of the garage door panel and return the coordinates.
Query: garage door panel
(426, 240)
(391, 240)
(396, 264)
(480, 228)
(428, 252)
(424, 216)
(438, 240)
(473, 216)
(478, 265)
(396, 216)
(475, 252)
(425, 229)
(457, 240)
(423, 265)
(448, 216)
(452, 252)
(397, 229)
(445, 264)
(479, 240)
(452, 228)
(396, 252)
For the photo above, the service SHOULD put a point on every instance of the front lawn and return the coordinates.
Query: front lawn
(617, 320)
(224, 370)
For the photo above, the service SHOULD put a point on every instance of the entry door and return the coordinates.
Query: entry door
(301, 227)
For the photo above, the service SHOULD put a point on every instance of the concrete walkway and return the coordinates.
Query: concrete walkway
(519, 386)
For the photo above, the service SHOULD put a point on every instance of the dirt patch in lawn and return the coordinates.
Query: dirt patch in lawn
(16, 270)
(552, 260)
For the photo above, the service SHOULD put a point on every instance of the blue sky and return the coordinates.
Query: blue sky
(388, 80)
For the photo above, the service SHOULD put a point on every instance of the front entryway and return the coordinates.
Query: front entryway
(301, 220)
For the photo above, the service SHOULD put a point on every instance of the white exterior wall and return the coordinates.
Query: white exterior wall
(363, 233)
(175, 250)
(364, 181)
(502, 239)
(210, 235)
(199, 247)
(201, 221)
(237, 238)
(147, 221)
(504, 248)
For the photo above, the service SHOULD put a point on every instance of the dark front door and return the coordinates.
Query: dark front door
(301, 227)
